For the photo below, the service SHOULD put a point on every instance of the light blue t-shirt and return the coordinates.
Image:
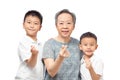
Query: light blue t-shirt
(69, 69)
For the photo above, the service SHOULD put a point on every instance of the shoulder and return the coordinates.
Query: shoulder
(25, 41)
(97, 59)
(49, 41)
(74, 40)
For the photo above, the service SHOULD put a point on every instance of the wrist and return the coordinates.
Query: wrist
(61, 56)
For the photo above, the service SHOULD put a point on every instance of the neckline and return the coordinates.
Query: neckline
(63, 43)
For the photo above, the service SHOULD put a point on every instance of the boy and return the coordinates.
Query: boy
(29, 49)
(91, 66)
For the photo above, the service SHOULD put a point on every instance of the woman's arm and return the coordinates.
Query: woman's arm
(54, 65)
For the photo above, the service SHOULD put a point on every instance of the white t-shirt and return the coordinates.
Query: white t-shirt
(97, 65)
(24, 72)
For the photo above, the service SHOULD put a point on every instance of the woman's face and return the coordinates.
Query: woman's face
(65, 25)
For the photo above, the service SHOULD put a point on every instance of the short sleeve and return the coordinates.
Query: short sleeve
(48, 51)
(99, 67)
(24, 51)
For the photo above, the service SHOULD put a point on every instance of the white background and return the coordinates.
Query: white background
(101, 17)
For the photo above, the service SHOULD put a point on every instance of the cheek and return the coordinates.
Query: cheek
(72, 28)
(39, 29)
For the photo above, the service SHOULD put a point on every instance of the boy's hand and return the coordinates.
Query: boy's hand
(34, 51)
(64, 52)
(88, 64)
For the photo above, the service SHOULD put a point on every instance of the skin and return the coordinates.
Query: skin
(88, 46)
(32, 26)
(64, 27)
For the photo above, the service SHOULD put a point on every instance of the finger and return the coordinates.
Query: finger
(64, 47)
(68, 53)
(63, 51)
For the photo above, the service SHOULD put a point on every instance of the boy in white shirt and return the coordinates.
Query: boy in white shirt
(30, 49)
(91, 66)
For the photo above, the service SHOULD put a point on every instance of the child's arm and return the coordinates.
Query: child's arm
(93, 74)
(31, 62)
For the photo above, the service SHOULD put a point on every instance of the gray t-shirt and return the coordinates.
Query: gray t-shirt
(69, 69)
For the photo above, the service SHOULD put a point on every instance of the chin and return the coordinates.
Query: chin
(66, 36)
(89, 55)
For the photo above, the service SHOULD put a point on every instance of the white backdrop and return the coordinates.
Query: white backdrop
(101, 17)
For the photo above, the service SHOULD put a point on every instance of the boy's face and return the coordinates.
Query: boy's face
(88, 46)
(32, 25)
(65, 25)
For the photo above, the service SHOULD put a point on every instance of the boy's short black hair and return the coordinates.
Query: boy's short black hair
(89, 35)
(34, 13)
